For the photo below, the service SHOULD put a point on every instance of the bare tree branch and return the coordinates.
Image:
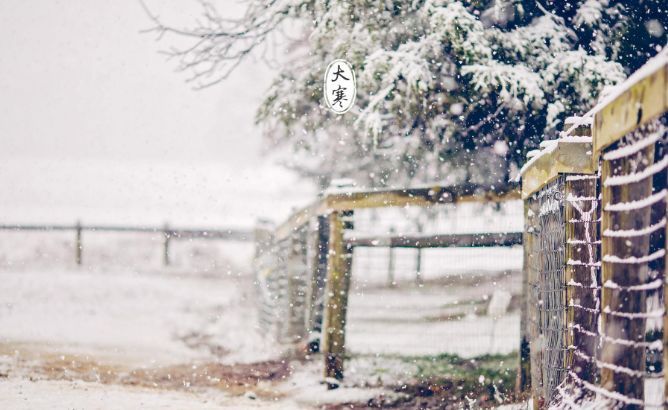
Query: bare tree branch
(218, 44)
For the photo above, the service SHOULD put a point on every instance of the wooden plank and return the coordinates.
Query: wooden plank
(165, 250)
(638, 104)
(299, 218)
(336, 306)
(532, 263)
(418, 268)
(619, 355)
(203, 233)
(381, 198)
(315, 299)
(566, 158)
(417, 197)
(583, 280)
(440, 241)
(78, 245)
(523, 383)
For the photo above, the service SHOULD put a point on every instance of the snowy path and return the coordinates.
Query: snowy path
(166, 339)
(21, 394)
(89, 340)
(139, 319)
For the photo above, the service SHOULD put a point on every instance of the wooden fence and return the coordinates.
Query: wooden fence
(304, 265)
(595, 254)
(168, 233)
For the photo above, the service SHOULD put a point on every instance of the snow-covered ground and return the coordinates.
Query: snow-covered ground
(434, 319)
(115, 330)
(144, 319)
(22, 394)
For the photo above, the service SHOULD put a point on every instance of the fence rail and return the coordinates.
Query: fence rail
(168, 233)
(463, 240)
(304, 266)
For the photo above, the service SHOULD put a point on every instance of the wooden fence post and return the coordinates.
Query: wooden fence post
(318, 284)
(628, 357)
(166, 235)
(524, 373)
(582, 275)
(336, 306)
(78, 245)
(418, 268)
(390, 264)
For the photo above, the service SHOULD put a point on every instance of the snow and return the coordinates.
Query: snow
(546, 149)
(310, 391)
(634, 259)
(654, 64)
(549, 146)
(605, 393)
(632, 148)
(22, 394)
(614, 368)
(638, 204)
(580, 177)
(135, 318)
(124, 310)
(638, 176)
(589, 13)
(421, 321)
(638, 315)
(628, 233)
(655, 284)
(133, 192)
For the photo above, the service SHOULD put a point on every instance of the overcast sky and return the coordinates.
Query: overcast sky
(95, 124)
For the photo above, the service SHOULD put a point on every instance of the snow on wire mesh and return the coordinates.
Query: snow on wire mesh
(548, 289)
(634, 208)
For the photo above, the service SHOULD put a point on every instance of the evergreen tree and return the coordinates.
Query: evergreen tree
(447, 91)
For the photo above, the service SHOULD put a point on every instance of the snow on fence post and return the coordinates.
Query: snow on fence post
(544, 189)
(630, 133)
(336, 299)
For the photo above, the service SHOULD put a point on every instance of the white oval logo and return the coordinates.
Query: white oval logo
(340, 88)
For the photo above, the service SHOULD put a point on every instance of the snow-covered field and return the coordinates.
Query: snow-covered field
(124, 331)
(22, 394)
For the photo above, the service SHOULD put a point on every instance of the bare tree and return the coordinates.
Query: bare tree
(215, 45)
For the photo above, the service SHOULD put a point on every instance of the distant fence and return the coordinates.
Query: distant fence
(304, 265)
(166, 231)
(595, 254)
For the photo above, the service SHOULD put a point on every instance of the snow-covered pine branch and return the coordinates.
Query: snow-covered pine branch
(447, 90)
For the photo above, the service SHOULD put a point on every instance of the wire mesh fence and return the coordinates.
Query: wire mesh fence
(403, 300)
(546, 287)
(595, 256)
